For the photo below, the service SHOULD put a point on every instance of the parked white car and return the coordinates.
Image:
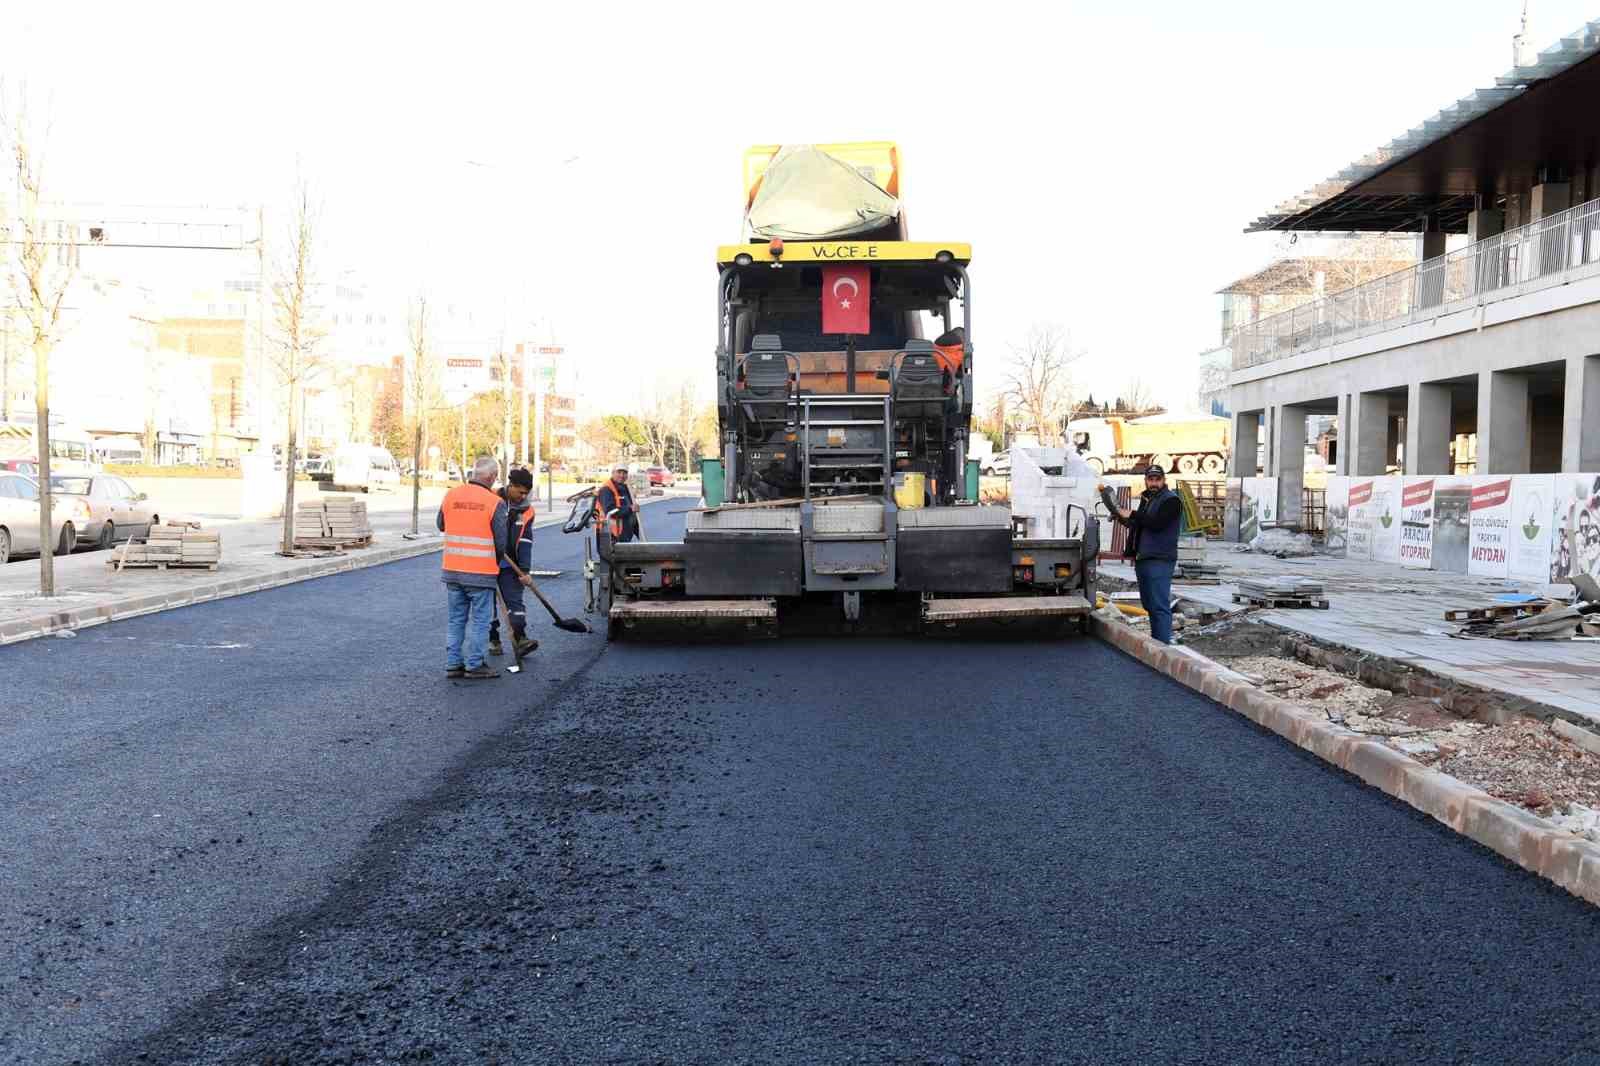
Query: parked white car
(19, 518)
(364, 468)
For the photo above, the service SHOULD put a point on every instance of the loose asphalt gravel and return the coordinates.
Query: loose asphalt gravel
(267, 830)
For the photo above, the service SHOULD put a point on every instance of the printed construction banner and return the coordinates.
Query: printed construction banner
(1575, 538)
(1249, 508)
(1452, 523)
(1416, 523)
(1385, 506)
(1490, 527)
(1336, 516)
(1360, 521)
(1532, 516)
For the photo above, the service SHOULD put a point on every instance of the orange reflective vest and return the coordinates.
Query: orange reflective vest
(600, 509)
(469, 530)
(522, 527)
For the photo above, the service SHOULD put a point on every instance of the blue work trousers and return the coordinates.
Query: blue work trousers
(471, 609)
(1155, 595)
(511, 592)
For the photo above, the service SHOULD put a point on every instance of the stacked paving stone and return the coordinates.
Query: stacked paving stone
(332, 522)
(171, 545)
(1281, 592)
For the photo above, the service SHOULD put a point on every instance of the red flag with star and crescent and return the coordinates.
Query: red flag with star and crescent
(846, 299)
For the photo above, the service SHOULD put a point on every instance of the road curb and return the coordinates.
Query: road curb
(1516, 834)
(49, 623)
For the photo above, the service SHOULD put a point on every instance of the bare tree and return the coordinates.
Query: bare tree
(422, 387)
(1038, 382)
(42, 262)
(296, 354)
(655, 427)
(682, 416)
(1136, 395)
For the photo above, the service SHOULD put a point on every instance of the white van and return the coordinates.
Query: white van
(364, 467)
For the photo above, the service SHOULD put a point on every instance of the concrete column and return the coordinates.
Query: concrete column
(1246, 439)
(1580, 416)
(1431, 245)
(1289, 465)
(1484, 223)
(1369, 445)
(1428, 429)
(1548, 199)
(1504, 441)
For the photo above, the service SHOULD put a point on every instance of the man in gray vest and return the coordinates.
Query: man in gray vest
(1153, 545)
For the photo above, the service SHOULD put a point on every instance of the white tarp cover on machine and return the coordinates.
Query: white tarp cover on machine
(807, 194)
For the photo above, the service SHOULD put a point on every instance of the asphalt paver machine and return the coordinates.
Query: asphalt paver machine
(843, 497)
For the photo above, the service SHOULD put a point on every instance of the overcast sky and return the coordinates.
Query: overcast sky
(1102, 158)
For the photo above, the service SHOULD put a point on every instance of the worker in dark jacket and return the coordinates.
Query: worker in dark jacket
(615, 496)
(519, 524)
(1153, 545)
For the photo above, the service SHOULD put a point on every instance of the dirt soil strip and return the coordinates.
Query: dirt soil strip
(1517, 834)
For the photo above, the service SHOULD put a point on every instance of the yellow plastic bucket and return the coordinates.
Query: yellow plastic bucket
(909, 490)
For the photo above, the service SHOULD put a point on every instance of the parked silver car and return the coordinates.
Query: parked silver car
(116, 511)
(19, 518)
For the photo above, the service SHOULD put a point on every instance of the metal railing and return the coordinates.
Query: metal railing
(1546, 252)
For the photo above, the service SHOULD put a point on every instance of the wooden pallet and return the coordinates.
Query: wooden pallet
(1494, 611)
(333, 542)
(158, 564)
(1288, 602)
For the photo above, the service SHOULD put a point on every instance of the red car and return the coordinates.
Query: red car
(659, 475)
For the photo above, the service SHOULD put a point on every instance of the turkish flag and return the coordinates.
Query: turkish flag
(846, 299)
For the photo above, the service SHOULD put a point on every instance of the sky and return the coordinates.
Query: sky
(576, 165)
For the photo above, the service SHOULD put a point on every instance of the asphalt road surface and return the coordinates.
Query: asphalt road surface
(268, 830)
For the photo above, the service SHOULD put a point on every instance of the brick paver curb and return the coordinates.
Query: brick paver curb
(47, 623)
(1526, 839)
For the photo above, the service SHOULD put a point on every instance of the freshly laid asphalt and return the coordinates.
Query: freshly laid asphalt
(267, 830)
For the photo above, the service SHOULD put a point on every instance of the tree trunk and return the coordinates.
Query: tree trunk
(41, 389)
(288, 475)
(416, 478)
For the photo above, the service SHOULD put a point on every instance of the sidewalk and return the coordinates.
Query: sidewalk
(91, 593)
(1397, 614)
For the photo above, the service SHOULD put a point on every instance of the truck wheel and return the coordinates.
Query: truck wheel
(1211, 464)
(1188, 464)
(1163, 460)
(1098, 465)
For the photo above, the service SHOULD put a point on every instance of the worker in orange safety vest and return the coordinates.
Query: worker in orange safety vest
(516, 493)
(474, 521)
(615, 496)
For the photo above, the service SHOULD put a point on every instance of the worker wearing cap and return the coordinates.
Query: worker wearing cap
(1153, 545)
(473, 520)
(519, 524)
(614, 496)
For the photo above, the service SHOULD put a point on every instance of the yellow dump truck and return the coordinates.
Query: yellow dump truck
(1187, 445)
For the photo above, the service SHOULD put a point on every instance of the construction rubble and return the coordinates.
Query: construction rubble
(1537, 765)
(1520, 617)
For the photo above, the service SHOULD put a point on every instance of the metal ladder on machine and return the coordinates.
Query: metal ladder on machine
(824, 457)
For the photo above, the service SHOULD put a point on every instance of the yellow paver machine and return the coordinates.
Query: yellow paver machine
(843, 497)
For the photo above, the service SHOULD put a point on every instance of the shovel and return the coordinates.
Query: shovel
(505, 620)
(571, 625)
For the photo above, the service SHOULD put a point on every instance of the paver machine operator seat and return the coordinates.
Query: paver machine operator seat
(767, 380)
(919, 384)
